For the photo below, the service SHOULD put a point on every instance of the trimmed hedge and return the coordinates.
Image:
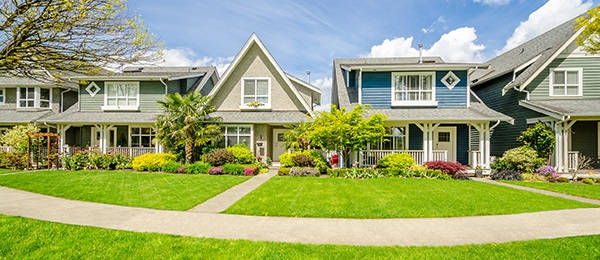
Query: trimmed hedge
(152, 161)
(197, 168)
(396, 161)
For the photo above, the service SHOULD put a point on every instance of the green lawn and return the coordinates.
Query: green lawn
(575, 189)
(390, 198)
(33, 239)
(148, 190)
(2, 171)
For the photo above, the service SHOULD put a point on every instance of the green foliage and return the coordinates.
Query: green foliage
(186, 124)
(340, 130)
(13, 160)
(306, 158)
(506, 175)
(286, 160)
(77, 161)
(152, 161)
(171, 167)
(533, 177)
(298, 137)
(590, 23)
(521, 159)
(397, 161)
(283, 171)
(16, 137)
(218, 157)
(304, 172)
(371, 173)
(109, 161)
(587, 181)
(241, 153)
(319, 160)
(302, 160)
(562, 179)
(233, 169)
(540, 138)
(198, 168)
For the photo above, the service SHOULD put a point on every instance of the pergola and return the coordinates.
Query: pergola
(48, 145)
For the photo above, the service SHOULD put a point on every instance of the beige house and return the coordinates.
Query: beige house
(257, 99)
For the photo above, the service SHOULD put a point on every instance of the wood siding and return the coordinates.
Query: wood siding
(455, 97)
(150, 93)
(584, 136)
(540, 86)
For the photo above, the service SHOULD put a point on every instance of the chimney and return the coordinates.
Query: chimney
(420, 53)
(308, 76)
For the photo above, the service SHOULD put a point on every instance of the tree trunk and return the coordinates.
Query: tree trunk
(189, 149)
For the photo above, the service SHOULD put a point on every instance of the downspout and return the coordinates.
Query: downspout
(496, 124)
(523, 91)
(166, 87)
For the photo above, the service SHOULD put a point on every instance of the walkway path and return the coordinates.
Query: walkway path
(381, 232)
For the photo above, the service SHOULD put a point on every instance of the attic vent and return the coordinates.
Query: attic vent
(133, 69)
(450, 80)
(429, 61)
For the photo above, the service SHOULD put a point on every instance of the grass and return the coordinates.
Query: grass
(33, 239)
(2, 171)
(575, 189)
(390, 198)
(148, 190)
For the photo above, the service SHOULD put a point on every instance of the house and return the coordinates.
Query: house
(117, 112)
(256, 100)
(432, 112)
(548, 79)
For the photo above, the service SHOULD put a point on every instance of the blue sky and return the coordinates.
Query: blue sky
(309, 34)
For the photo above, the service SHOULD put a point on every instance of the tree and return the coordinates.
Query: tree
(186, 123)
(344, 131)
(17, 136)
(297, 137)
(540, 138)
(590, 25)
(78, 36)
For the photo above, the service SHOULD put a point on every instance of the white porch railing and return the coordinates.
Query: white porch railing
(130, 151)
(572, 160)
(371, 157)
(474, 158)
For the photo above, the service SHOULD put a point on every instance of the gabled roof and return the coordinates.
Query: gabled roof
(562, 109)
(254, 40)
(528, 58)
(73, 116)
(43, 80)
(151, 73)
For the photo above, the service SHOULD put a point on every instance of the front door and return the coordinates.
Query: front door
(278, 143)
(444, 138)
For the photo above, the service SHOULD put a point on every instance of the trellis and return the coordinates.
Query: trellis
(48, 146)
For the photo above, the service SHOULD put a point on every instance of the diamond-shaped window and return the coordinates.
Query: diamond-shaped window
(450, 80)
(92, 89)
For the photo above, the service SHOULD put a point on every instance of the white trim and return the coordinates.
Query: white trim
(525, 65)
(412, 103)
(244, 105)
(36, 98)
(255, 40)
(453, 140)
(251, 126)
(93, 92)
(303, 83)
(359, 86)
(534, 120)
(152, 135)
(107, 107)
(3, 95)
(579, 79)
(448, 75)
(421, 67)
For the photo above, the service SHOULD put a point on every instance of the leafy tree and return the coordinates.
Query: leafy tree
(347, 131)
(186, 123)
(540, 138)
(590, 23)
(17, 136)
(79, 36)
(297, 137)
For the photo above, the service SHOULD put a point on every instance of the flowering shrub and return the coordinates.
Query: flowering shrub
(250, 171)
(546, 170)
(396, 161)
(451, 168)
(152, 161)
(218, 157)
(215, 171)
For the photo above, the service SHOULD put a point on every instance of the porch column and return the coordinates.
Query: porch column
(485, 154)
(566, 129)
(425, 129)
(62, 130)
(558, 148)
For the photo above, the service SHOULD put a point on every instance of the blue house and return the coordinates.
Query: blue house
(432, 112)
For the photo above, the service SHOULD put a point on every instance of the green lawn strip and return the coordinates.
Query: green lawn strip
(148, 190)
(3, 171)
(575, 189)
(33, 239)
(390, 198)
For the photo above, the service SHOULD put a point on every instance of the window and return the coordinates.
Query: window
(566, 82)
(236, 135)
(33, 97)
(394, 141)
(1, 96)
(142, 136)
(121, 96)
(413, 89)
(256, 93)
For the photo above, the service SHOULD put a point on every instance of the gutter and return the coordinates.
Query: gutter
(166, 87)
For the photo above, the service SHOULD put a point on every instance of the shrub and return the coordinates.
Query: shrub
(546, 170)
(197, 168)
(562, 179)
(152, 161)
(304, 172)
(506, 175)
(302, 160)
(587, 181)
(171, 167)
(521, 159)
(319, 160)
(109, 161)
(181, 169)
(533, 177)
(218, 157)
(13, 160)
(233, 169)
(540, 138)
(251, 170)
(461, 176)
(77, 161)
(283, 171)
(215, 171)
(241, 153)
(446, 167)
(286, 160)
(397, 160)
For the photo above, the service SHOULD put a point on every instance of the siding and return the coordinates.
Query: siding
(462, 144)
(207, 87)
(585, 139)
(376, 89)
(89, 103)
(86, 136)
(150, 93)
(540, 86)
(457, 97)
(415, 138)
(174, 86)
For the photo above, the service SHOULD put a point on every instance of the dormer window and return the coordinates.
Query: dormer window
(413, 89)
(34, 97)
(256, 93)
(566, 82)
(121, 96)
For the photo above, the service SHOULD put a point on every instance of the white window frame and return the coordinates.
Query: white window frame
(566, 70)
(251, 135)
(411, 103)
(36, 98)
(3, 95)
(135, 107)
(389, 134)
(152, 135)
(244, 105)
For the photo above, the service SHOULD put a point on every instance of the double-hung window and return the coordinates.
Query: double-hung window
(394, 141)
(33, 97)
(237, 135)
(413, 89)
(1, 96)
(121, 96)
(256, 93)
(142, 136)
(566, 82)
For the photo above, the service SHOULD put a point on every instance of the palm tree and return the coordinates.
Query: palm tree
(186, 122)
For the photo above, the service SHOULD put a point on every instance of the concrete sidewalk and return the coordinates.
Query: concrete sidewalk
(380, 232)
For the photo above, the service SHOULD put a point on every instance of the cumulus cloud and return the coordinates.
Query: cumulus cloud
(550, 15)
(492, 2)
(324, 85)
(187, 57)
(455, 46)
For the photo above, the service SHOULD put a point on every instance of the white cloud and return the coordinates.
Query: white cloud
(324, 85)
(455, 46)
(431, 27)
(550, 15)
(492, 2)
(187, 57)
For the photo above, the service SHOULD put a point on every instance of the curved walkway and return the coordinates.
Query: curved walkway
(380, 232)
